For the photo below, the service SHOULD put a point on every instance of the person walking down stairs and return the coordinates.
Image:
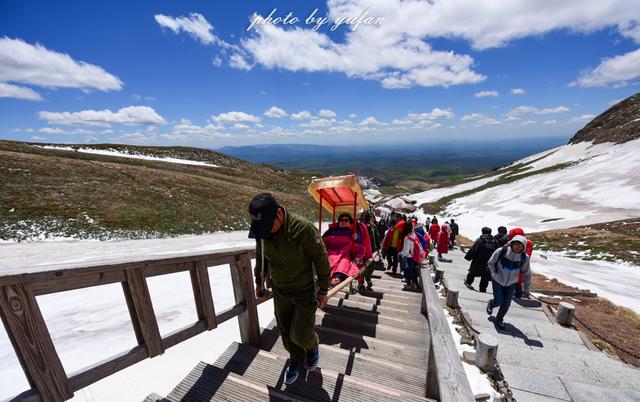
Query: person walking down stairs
(479, 255)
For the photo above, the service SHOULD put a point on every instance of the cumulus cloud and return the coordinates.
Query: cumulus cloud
(517, 91)
(51, 130)
(479, 119)
(132, 115)
(21, 62)
(616, 71)
(436, 113)
(484, 94)
(549, 122)
(18, 92)
(233, 117)
(303, 115)
(327, 113)
(276, 113)
(195, 25)
(583, 118)
(369, 121)
(523, 110)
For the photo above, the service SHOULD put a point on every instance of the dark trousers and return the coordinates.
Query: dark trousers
(296, 319)
(484, 279)
(392, 258)
(502, 297)
(410, 273)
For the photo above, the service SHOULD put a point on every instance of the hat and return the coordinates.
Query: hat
(263, 209)
(486, 230)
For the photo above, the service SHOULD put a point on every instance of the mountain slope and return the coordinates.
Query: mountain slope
(619, 124)
(576, 184)
(63, 193)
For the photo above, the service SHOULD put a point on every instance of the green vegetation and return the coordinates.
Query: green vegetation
(46, 193)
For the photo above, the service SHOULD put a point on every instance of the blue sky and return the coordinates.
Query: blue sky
(189, 73)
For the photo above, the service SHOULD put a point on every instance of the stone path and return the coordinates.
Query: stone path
(540, 359)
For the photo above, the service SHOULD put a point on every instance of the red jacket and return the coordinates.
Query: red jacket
(434, 231)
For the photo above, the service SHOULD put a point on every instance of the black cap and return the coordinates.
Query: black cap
(263, 209)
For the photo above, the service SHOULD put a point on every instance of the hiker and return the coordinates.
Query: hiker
(443, 239)
(392, 244)
(413, 254)
(479, 255)
(502, 237)
(347, 249)
(434, 231)
(407, 229)
(369, 222)
(455, 231)
(505, 264)
(290, 252)
(528, 249)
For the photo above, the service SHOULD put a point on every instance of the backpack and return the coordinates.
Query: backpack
(511, 265)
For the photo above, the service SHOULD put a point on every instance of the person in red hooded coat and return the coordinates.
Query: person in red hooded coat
(443, 239)
(528, 250)
(434, 231)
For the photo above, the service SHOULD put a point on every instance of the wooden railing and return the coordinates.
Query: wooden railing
(446, 378)
(32, 342)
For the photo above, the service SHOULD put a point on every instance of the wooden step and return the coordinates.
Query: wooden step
(210, 383)
(375, 369)
(415, 323)
(379, 331)
(267, 368)
(392, 351)
(368, 305)
(412, 306)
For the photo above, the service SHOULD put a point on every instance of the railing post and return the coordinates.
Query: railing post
(32, 342)
(243, 290)
(202, 294)
(140, 307)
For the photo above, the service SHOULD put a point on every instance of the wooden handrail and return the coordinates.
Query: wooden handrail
(32, 342)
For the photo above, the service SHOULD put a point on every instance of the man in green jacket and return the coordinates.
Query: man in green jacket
(290, 252)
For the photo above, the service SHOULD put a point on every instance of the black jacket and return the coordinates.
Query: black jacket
(480, 252)
(502, 239)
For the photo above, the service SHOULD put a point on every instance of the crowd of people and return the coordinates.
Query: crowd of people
(300, 266)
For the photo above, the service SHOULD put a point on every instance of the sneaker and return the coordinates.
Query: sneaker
(313, 358)
(467, 284)
(291, 373)
(489, 308)
(361, 287)
(500, 325)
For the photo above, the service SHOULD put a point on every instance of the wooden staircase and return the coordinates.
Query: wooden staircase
(374, 346)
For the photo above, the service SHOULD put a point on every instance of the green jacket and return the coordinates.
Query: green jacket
(290, 256)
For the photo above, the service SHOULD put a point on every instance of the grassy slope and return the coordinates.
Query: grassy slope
(611, 241)
(68, 193)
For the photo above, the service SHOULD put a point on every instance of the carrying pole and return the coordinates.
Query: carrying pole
(320, 214)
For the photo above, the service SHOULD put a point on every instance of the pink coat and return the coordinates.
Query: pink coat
(339, 249)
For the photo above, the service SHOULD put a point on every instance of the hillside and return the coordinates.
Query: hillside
(580, 183)
(619, 124)
(47, 193)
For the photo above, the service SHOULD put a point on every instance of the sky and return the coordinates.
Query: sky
(218, 73)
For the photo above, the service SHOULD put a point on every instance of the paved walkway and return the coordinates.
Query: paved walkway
(541, 360)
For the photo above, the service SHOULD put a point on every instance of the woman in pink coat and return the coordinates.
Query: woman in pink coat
(347, 250)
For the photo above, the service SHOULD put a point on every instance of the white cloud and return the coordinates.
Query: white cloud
(528, 122)
(38, 138)
(582, 119)
(240, 62)
(479, 119)
(517, 91)
(522, 110)
(397, 53)
(232, 117)
(616, 71)
(327, 113)
(369, 121)
(18, 92)
(185, 130)
(239, 126)
(276, 113)
(129, 115)
(51, 130)
(353, 116)
(400, 122)
(484, 94)
(396, 61)
(318, 123)
(21, 62)
(195, 25)
(216, 61)
(303, 115)
(549, 122)
(436, 113)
